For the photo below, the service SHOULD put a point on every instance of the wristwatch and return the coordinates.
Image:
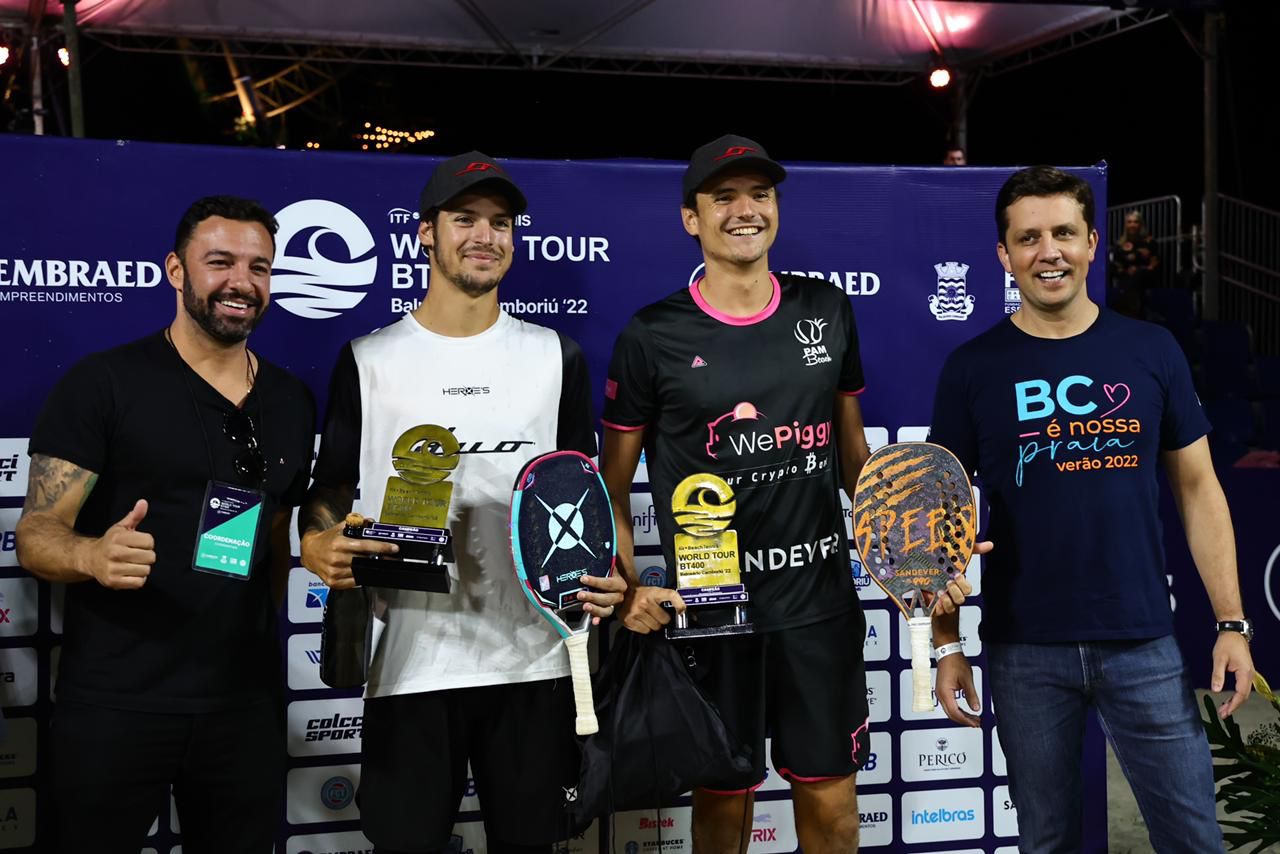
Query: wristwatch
(1244, 627)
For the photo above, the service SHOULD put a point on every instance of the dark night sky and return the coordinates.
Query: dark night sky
(1135, 100)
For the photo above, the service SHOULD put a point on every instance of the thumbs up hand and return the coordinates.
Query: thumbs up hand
(121, 559)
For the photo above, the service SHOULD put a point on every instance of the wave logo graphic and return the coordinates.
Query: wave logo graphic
(314, 285)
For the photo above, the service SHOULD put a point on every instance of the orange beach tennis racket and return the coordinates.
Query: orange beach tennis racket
(914, 524)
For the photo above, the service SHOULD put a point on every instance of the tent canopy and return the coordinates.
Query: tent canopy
(895, 36)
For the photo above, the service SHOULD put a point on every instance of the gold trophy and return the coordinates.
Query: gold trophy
(708, 574)
(415, 515)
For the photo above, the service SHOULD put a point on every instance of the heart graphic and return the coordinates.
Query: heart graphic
(1111, 391)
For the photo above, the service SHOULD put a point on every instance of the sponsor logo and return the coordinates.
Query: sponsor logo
(1004, 813)
(58, 280)
(879, 702)
(632, 847)
(477, 167)
(876, 817)
(564, 527)
(317, 594)
(1012, 296)
(505, 446)
(18, 680)
(878, 765)
(8, 468)
(400, 216)
(792, 557)
(736, 434)
(809, 333)
(861, 578)
(322, 727)
(315, 284)
(1270, 585)
(647, 823)
(8, 535)
(466, 391)
(875, 647)
(653, 576)
(334, 728)
(941, 815)
(645, 522)
(853, 284)
(19, 598)
(336, 793)
(952, 301)
(17, 818)
(698, 362)
(736, 151)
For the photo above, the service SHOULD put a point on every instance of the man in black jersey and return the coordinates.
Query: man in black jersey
(170, 675)
(754, 378)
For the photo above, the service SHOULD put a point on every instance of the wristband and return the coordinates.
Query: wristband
(947, 649)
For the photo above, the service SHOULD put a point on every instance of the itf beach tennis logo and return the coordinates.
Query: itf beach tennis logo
(952, 301)
(337, 793)
(332, 258)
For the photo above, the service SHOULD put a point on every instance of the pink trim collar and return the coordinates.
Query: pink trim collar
(763, 314)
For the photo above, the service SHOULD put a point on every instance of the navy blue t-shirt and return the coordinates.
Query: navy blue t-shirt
(1066, 435)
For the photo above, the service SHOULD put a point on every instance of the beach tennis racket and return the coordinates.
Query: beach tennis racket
(914, 523)
(561, 530)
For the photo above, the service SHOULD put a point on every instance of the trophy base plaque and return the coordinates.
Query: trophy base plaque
(711, 612)
(419, 565)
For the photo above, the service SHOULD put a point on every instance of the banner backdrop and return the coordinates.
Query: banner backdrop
(86, 226)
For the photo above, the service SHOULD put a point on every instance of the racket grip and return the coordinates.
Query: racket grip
(921, 632)
(580, 672)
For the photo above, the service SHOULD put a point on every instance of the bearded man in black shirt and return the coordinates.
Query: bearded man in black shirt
(163, 473)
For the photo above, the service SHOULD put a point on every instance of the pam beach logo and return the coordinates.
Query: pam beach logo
(321, 283)
(952, 301)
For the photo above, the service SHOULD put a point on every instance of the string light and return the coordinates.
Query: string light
(385, 138)
(64, 56)
(939, 78)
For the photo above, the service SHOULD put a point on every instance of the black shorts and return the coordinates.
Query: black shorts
(804, 686)
(523, 753)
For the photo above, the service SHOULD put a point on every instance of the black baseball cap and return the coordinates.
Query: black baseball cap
(464, 173)
(728, 151)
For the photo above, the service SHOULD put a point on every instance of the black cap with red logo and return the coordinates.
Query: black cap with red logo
(465, 173)
(727, 152)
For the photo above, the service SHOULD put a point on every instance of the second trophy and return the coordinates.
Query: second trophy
(708, 572)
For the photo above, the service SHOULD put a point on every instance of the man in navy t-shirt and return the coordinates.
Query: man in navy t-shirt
(1064, 410)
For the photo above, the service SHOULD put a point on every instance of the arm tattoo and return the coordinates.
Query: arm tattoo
(51, 479)
(326, 506)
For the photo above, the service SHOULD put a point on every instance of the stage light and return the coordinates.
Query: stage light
(939, 78)
(4, 54)
(64, 56)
